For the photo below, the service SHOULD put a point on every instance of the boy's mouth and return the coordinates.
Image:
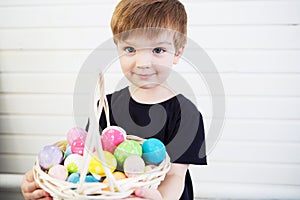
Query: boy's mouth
(144, 76)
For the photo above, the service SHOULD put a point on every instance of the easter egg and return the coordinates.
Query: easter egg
(59, 172)
(112, 136)
(74, 163)
(96, 165)
(68, 151)
(76, 133)
(126, 149)
(117, 175)
(62, 145)
(134, 166)
(96, 176)
(74, 178)
(154, 151)
(90, 179)
(77, 146)
(49, 156)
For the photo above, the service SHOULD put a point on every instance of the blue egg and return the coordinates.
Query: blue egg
(68, 151)
(154, 151)
(74, 178)
(90, 178)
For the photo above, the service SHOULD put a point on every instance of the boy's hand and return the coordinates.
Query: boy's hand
(31, 190)
(145, 193)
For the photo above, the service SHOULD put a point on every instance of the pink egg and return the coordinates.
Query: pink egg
(59, 172)
(76, 133)
(112, 136)
(77, 146)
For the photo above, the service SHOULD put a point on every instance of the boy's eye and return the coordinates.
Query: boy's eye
(158, 50)
(129, 49)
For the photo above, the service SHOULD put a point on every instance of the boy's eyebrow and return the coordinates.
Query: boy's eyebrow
(154, 44)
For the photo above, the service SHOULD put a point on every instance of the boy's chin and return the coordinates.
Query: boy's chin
(147, 85)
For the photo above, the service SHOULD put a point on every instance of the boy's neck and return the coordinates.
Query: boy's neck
(151, 95)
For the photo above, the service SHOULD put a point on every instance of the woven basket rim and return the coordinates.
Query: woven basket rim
(66, 190)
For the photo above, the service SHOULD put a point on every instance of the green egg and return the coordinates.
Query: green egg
(126, 149)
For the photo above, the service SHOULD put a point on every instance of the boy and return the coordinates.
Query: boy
(150, 36)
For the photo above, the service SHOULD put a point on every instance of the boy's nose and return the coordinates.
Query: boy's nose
(143, 59)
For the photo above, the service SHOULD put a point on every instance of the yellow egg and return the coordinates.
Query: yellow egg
(118, 176)
(96, 166)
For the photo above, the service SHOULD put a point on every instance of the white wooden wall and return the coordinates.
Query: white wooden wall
(255, 46)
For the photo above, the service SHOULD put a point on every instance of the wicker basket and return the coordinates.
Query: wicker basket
(97, 190)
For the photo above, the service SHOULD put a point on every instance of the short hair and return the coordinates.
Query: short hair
(155, 14)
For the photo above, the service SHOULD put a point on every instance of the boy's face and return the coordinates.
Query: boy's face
(147, 62)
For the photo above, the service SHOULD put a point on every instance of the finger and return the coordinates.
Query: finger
(29, 176)
(29, 186)
(147, 193)
(46, 198)
(39, 194)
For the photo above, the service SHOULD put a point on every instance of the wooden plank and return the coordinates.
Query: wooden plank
(255, 61)
(246, 37)
(10, 182)
(234, 129)
(220, 37)
(42, 61)
(11, 195)
(26, 144)
(16, 164)
(59, 14)
(261, 130)
(36, 104)
(53, 2)
(37, 125)
(241, 84)
(244, 84)
(228, 190)
(248, 173)
(255, 152)
(236, 107)
(229, 61)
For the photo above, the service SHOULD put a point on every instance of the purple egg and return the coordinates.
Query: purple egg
(49, 156)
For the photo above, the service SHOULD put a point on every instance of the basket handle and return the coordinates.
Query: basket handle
(93, 140)
(103, 104)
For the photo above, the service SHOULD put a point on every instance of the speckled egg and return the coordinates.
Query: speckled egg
(154, 151)
(126, 149)
(112, 136)
(49, 156)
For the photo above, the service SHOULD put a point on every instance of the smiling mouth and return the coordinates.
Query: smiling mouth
(144, 76)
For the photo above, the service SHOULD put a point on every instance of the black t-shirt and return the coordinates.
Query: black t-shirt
(176, 122)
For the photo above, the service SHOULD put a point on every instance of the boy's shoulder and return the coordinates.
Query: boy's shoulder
(178, 102)
(187, 105)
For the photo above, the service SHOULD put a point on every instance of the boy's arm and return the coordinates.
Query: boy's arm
(173, 185)
(170, 189)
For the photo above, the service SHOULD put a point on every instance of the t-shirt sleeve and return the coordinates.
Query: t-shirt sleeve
(187, 141)
(196, 152)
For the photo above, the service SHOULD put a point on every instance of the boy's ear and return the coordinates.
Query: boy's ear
(178, 55)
